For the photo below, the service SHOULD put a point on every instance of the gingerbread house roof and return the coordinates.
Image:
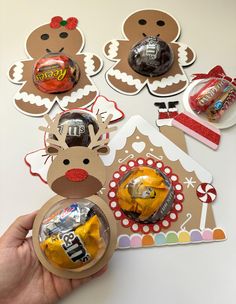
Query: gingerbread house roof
(157, 139)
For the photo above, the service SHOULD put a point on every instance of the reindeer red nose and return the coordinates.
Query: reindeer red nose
(76, 175)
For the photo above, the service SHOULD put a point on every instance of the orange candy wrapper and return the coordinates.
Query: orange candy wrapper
(55, 73)
(143, 192)
(85, 241)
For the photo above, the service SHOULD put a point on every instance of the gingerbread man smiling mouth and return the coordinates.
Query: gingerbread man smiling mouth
(139, 25)
(55, 37)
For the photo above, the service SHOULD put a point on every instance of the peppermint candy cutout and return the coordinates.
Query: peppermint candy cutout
(206, 193)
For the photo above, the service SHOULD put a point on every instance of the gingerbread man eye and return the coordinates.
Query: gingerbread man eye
(142, 21)
(66, 162)
(160, 23)
(63, 35)
(86, 161)
(44, 36)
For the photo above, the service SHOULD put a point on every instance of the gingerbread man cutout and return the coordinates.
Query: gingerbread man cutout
(55, 37)
(136, 27)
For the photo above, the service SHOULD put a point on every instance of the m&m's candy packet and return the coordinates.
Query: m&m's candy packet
(75, 236)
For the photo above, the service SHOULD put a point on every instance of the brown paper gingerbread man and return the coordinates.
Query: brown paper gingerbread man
(142, 24)
(55, 37)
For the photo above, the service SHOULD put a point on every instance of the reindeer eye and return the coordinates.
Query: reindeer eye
(66, 161)
(86, 161)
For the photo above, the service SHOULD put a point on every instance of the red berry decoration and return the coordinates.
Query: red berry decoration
(55, 73)
(55, 22)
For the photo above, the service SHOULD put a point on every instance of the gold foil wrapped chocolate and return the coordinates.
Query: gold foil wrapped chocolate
(145, 194)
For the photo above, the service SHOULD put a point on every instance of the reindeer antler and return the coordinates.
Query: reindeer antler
(52, 128)
(96, 139)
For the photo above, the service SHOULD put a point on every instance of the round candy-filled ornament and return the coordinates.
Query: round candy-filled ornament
(145, 194)
(151, 57)
(55, 73)
(213, 99)
(78, 122)
(74, 238)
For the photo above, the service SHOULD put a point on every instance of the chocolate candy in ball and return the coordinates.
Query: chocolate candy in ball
(78, 122)
(55, 73)
(145, 194)
(74, 236)
(151, 57)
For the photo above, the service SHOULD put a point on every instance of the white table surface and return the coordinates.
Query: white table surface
(180, 274)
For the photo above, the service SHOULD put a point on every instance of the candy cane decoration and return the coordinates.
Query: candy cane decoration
(206, 193)
(120, 160)
(189, 216)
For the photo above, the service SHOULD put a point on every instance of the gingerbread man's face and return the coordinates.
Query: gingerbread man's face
(45, 40)
(151, 23)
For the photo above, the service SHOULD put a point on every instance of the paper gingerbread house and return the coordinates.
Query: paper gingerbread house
(191, 218)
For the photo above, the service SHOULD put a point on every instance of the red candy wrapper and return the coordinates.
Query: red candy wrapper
(55, 73)
(201, 100)
(217, 109)
(212, 96)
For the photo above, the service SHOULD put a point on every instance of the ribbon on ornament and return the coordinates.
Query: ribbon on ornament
(216, 72)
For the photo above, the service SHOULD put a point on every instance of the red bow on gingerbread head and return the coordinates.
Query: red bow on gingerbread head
(69, 23)
(217, 72)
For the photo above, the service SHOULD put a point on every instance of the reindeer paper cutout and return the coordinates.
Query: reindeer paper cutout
(38, 161)
(77, 172)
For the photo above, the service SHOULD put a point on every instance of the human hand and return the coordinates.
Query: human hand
(22, 278)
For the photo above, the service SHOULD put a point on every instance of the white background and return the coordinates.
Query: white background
(180, 274)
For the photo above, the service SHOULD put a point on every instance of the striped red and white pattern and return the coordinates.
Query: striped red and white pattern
(206, 193)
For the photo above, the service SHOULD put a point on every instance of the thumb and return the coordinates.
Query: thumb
(17, 232)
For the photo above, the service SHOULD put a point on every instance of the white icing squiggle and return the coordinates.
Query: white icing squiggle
(189, 216)
(164, 82)
(18, 71)
(124, 77)
(39, 101)
(79, 94)
(33, 99)
(113, 49)
(89, 63)
(182, 54)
